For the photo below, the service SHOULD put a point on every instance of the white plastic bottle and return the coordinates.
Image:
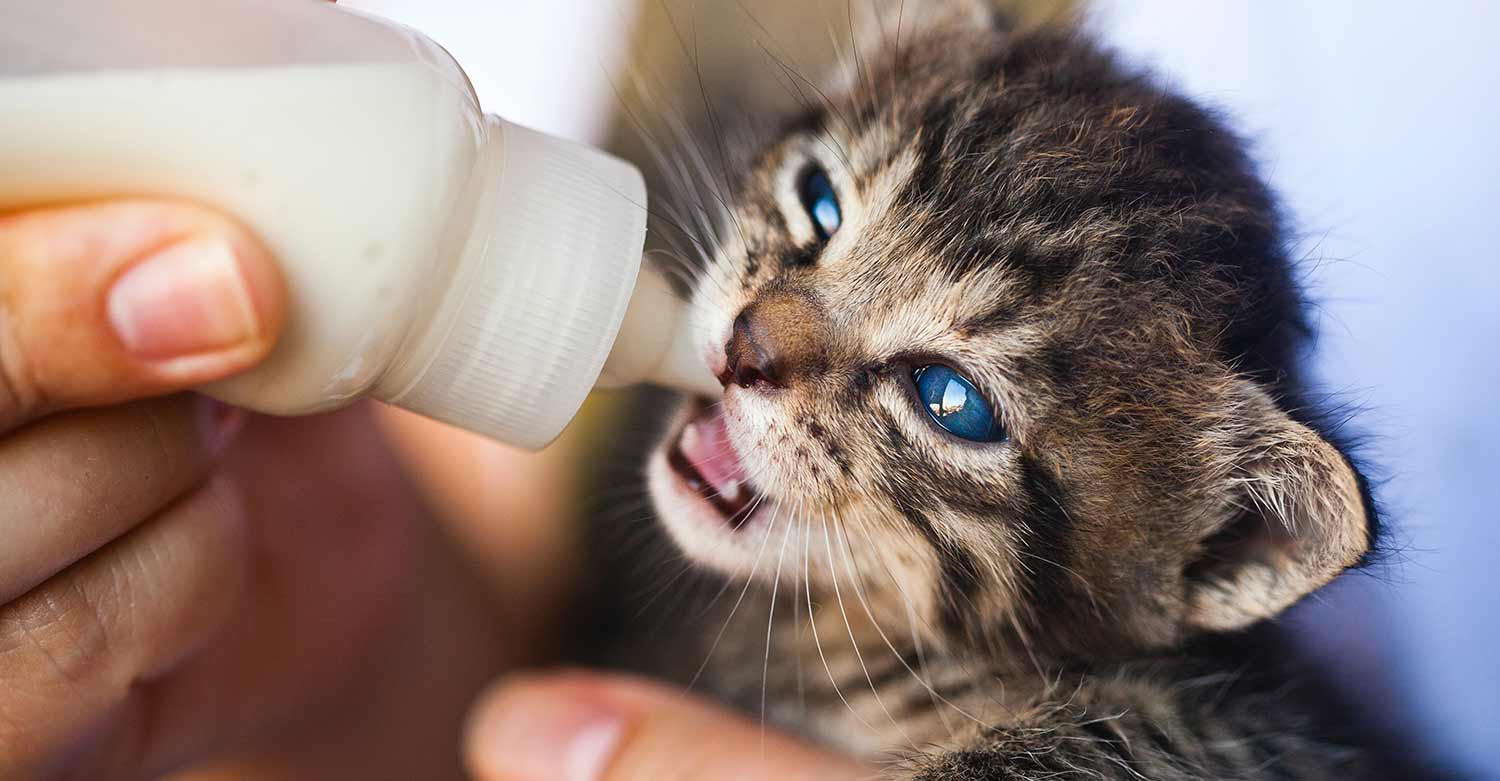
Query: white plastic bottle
(439, 259)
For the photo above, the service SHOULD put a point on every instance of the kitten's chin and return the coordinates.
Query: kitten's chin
(703, 495)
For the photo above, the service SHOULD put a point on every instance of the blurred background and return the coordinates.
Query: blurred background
(1378, 127)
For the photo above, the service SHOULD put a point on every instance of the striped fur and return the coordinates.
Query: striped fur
(1098, 254)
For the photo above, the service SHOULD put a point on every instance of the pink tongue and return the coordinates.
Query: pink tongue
(705, 443)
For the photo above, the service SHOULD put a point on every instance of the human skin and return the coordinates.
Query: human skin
(182, 581)
(186, 588)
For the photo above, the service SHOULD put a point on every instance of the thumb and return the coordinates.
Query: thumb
(586, 727)
(112, 301)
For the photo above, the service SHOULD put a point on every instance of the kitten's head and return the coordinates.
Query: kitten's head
(1007, 334)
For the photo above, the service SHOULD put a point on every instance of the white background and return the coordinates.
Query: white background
(542, 63)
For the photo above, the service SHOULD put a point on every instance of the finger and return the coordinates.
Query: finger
(108, 302)
(78, 654)
(73, 482)
(583, 727)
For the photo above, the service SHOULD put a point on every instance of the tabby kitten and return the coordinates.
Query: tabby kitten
(1012, 450)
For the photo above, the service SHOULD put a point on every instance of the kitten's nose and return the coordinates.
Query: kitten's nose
(777, 340)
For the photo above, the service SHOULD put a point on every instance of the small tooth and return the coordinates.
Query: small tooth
(731, 492)
(689, 437)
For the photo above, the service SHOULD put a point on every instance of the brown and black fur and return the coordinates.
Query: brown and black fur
(1086, 599)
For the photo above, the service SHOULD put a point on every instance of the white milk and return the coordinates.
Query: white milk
(444, 260)
(350, 174)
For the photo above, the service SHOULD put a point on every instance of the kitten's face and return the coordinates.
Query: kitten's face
(983, 329)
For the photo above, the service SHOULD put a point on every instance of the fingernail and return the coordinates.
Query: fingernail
(218, 423)
(541, 737)
(187, 299)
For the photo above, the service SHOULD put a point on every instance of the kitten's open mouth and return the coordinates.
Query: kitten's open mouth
(705, 460)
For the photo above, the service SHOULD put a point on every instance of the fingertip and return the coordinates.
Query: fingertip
(583, 726)
(260, 287)
(110, 301)
(534, 727)
(264, 283)
(204, 302)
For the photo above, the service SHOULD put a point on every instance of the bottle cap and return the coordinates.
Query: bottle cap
(538, 297)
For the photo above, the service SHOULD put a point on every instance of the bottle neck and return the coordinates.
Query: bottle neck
(656, 343)
(458, 263)
(538, 293)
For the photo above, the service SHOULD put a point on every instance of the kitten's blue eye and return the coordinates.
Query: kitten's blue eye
(956, 405)
(822, 203)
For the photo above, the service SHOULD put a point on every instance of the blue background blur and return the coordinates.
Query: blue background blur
(1379, 123)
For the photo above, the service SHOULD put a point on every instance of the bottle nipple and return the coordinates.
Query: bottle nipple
(656, 345)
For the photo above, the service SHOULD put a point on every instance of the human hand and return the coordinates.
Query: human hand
(181, 584)
(587, 727)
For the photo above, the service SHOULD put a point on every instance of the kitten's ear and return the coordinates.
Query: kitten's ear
(1297, 514)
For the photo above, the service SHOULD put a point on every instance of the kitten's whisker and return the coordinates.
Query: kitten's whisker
(668, 215)
(1087, 588)
(797, 583)
(794, 71)
(608, 499)
(841, 152)
(864, 78)
(663, 161)
(797, 81)
(712, 117)
(916, 637)
(765, 669)
(838, 52)
(726, 582)
(681, 182)
(897, 70)
(678, 271)
(812, 622)
(689, 563)
(859, 592)
(853, 642)
(914, 618)
(706, 178)
(749, 581)
(916, 641)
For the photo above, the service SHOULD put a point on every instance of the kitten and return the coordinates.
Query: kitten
(1012, 455)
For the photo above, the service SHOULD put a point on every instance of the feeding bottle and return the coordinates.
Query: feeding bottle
(437, 258)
